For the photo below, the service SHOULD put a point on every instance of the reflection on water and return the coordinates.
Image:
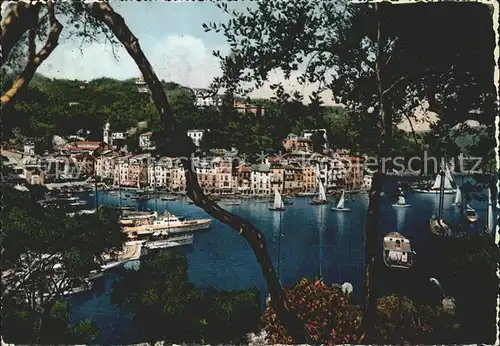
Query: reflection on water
(314, 241)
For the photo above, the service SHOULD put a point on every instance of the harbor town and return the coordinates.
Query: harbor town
(249, 174)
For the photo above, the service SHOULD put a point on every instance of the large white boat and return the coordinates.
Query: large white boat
(171, 223)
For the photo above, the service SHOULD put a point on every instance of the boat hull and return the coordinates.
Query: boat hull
(318, 202)
(439, 229)
(277, 209)
(435, 192)
(340, 209)
(168, 243)
(400, 205)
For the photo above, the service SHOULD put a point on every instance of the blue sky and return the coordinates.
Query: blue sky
(172, 37)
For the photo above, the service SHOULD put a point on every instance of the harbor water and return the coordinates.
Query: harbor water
(303, 241)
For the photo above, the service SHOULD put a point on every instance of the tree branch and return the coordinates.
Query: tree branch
(22, 17)
(31, 44)
(105, 13)
(23, 80)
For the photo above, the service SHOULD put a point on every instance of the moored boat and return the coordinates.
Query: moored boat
(278, 202)
(397, 252)
(340, 205)
(171, 223)
(470, 214)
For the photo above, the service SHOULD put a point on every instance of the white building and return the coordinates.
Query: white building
(260, 178)
(29, 149)
(203, 100)
(145, 140)
(105, 166)
(196, 136)
(159, 172)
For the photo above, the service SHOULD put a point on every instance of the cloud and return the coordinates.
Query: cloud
(183, 59)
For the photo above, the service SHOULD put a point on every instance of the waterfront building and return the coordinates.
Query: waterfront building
(293, 179)
(159, 172)
(260, 177)
(206, 176)
(223, 174)
(308, 178)
(105, 164)
(276, 177)
(178, 179)
(244, 179)
(354, 173)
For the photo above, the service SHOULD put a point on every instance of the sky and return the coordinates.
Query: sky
(171, 36)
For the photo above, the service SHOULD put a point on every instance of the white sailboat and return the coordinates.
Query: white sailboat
(437, 223)
(278, 202)
(490, 213)
(321, 199)
(401, 202)
(436, 188)
(458, 198)
(340, 205)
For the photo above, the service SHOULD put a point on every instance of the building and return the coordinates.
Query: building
(308, 178)
(196, 136)
(244, 179)
(159, 173)
(141, 85)
(293, 179)
(29, 149)
(145, 141)
(354, 174)
(295, 143)
(260, 179)
(105, 165)
(203, 99)
(34, 173)
(242, 106)
(223, 175)
(309, 133)
(276, 177)
(178, 179)
(207, 176)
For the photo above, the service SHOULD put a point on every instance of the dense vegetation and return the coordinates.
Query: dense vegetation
(165, 306)
(35, 240)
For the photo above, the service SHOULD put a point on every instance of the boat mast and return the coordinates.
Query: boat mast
(441, 194)
(154, 187)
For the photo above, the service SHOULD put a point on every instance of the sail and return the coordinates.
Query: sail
(138, 184)
(340, 205)
(401, 200)
(447, 182)
(437, 183)
(447, 174)
(458, 197)
(490, 212)
(278, 202)
(321, 192)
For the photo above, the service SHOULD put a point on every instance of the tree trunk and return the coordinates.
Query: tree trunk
(372, 217)
(20, 18)
(103, 12)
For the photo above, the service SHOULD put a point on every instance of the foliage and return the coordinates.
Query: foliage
(22, 325)
(331, 319)
(467, 272)
(165, 306)
(36, 239)
(324, 309)
(402, 321)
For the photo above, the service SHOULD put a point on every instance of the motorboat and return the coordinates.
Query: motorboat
(470, 214)
(397, 252)
(171, 223)
(278, 204)
(340, 205)
(166, 241)
(232, 202)
(169, 198)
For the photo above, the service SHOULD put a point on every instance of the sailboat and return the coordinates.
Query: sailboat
(321, 199)
(447, 178)
(340, 204)
(490, 213)
(437, 223)
(401, 200)
(458, 197)
(278, 202)
(470, 214)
